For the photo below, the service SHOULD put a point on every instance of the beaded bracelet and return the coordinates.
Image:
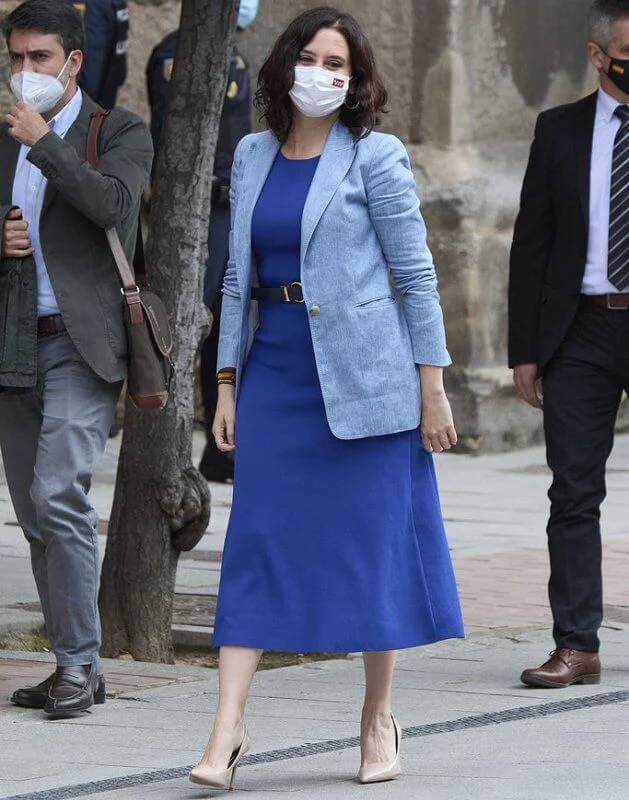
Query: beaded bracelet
(226, 376)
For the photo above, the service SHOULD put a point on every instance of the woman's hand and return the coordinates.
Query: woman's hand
(437, 426)
(223, 426)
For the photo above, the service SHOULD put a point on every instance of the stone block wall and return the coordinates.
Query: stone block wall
(489, 68)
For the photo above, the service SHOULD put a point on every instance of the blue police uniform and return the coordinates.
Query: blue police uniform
(106, 43)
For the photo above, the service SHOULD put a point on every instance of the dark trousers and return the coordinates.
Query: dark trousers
(215, 466)
(582, 387)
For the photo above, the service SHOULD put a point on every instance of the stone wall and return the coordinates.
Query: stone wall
(467, 79)
(489, 68)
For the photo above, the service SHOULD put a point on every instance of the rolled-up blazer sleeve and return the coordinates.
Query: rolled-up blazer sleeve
(394, 210)
(231, 307)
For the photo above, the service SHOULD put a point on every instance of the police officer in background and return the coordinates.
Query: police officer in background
(234, 124)
(106, 43)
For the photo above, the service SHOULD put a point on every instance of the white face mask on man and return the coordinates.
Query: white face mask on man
(38, 90)
(318, 92)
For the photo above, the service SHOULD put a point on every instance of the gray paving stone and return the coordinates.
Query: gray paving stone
(576, 753)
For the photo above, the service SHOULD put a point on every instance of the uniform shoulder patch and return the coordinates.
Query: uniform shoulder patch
(169, 63)
(240, 62)
(232, 90)
(80, 7)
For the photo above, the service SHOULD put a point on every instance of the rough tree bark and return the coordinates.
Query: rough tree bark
(161, 503)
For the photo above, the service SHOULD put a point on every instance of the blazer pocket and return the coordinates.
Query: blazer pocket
(377, 302)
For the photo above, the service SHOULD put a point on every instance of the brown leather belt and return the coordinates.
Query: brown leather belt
(46, 326)
(615, 302)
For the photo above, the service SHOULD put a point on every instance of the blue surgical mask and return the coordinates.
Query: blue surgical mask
(247, 12)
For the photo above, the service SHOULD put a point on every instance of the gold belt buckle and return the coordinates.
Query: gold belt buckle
(287, 296)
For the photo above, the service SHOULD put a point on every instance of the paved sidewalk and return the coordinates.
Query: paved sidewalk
(471, 729)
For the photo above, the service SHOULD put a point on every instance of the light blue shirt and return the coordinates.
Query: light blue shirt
(29, 188)
(606, 126)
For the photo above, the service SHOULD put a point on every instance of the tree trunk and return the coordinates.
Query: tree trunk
(161, 503)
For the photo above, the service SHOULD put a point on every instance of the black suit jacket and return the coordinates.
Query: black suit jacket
(550, 241)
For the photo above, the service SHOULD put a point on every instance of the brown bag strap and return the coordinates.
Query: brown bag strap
(131, 290)
(93, 133)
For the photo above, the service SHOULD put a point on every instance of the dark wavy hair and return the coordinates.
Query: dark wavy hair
(276, 76)
(58, 17)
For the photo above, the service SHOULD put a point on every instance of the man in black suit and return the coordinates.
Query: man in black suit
(569, 328)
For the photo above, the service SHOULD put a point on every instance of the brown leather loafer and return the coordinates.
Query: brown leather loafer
(564, 668)
(36, 696)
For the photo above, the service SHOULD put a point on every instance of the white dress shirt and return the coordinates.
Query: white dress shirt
(29, 188)
(606, 126)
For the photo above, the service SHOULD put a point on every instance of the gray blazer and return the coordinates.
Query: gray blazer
(80, 202)
(361, 225)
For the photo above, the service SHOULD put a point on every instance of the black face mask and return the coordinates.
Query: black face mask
(618, 73)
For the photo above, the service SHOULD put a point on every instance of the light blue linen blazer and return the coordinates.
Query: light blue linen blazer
(360, 224)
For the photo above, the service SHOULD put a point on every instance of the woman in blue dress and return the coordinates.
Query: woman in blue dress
(331, 356)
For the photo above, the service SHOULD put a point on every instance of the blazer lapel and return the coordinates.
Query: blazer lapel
(9, 151)
(256, 168)
(77, 137)
(336, 159)
(583, 135)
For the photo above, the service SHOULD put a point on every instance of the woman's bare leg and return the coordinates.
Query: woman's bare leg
(377, 734)
(236, 668)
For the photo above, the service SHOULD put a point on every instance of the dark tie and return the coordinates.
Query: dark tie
(618, 254)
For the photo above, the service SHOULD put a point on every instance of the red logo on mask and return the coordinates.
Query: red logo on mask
(338, 83)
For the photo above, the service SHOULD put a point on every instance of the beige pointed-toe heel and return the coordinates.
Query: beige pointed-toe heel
(376, 773)
(221, 778)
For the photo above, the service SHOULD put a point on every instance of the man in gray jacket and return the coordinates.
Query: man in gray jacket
(62, 337)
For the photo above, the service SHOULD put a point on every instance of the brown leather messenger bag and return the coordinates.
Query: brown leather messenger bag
(150, 341)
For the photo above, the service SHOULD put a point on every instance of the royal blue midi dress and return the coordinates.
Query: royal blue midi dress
(332, 545)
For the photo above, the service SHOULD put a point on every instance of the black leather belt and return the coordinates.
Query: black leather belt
(290, 293)
(47, 326)
(615, 302)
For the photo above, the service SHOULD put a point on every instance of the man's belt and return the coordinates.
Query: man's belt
(616, 302)
(47, 326)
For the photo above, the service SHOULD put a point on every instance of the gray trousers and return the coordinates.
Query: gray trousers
(51, 439)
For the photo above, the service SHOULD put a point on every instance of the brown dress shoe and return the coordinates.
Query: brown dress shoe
(564, 668)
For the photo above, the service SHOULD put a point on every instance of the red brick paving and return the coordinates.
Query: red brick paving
(16, 673)
(499, 592)
(509, 590)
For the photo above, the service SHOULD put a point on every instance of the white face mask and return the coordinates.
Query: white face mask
(318, 92)
(41, 92)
